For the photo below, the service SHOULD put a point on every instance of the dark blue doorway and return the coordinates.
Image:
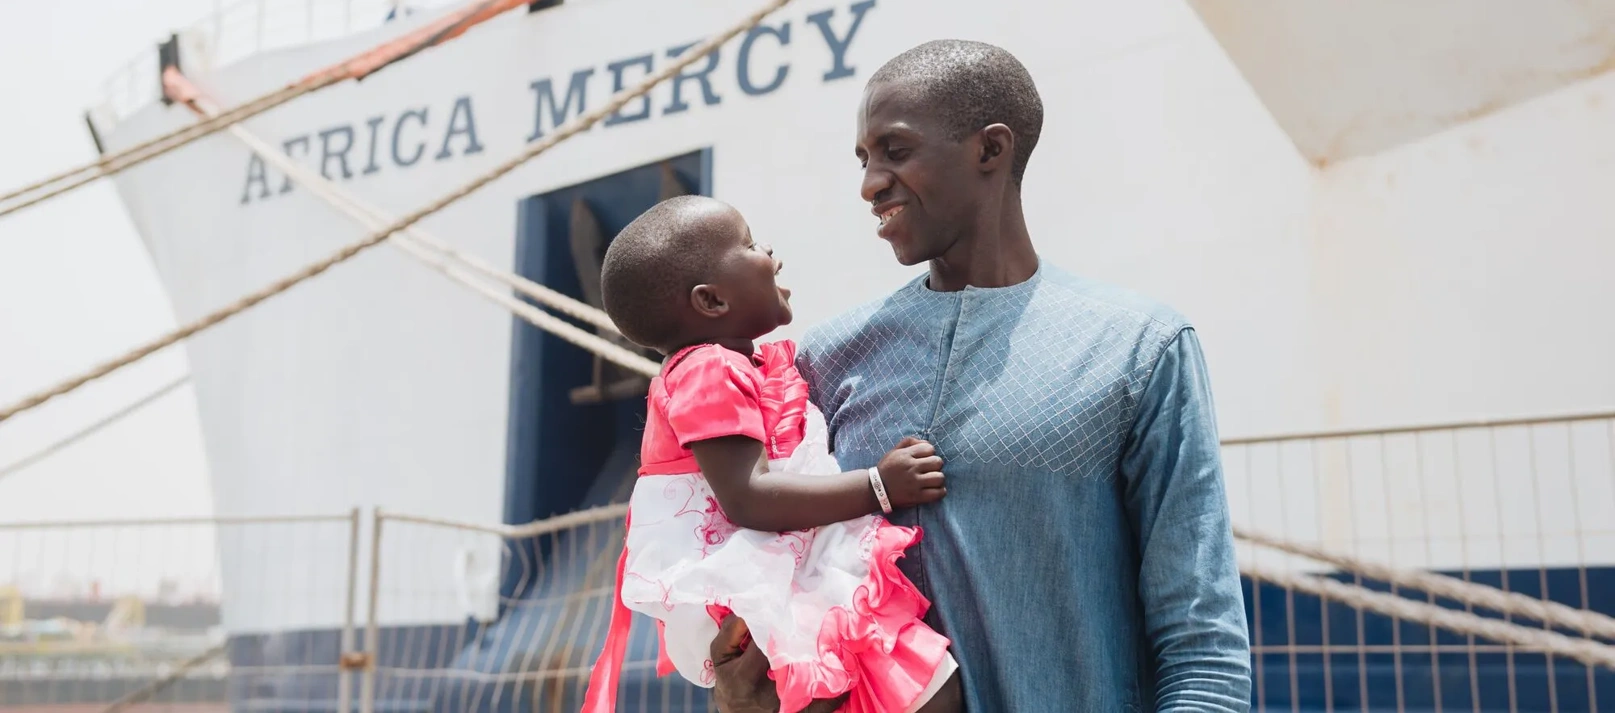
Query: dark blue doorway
(573, 442)
(575, 421)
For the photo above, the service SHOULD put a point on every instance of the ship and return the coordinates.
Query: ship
(1377, 215)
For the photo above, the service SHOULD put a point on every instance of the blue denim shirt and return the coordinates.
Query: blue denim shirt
(1083, 559)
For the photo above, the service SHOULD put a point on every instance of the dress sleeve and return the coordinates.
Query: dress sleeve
(714, 393)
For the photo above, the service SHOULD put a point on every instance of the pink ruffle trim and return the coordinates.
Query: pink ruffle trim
(880, 650)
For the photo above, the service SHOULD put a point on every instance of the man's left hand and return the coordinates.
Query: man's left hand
(743, 685)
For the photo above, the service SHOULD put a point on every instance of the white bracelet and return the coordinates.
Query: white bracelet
(880, 490)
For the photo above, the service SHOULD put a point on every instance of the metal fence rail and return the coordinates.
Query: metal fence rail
(132, 614)
(535, 600)
(1525, 505)
(469, 617)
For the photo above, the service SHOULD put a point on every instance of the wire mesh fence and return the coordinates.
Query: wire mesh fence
(132, 615)
(478, 618)
(1527, 507)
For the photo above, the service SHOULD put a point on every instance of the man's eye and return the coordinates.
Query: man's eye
(897, 154)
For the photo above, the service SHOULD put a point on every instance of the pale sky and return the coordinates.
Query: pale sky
(76, 285)
(77, 288)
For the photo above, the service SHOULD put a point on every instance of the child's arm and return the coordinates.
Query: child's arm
(783, 502)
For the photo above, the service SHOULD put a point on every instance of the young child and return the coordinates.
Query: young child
(740, 507)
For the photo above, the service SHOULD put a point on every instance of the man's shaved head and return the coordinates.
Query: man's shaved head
(972, 85)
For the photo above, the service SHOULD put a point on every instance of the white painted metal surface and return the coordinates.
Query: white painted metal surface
(1435, 266)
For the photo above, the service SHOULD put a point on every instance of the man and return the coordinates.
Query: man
(1083, 559)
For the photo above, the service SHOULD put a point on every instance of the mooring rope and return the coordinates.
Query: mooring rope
(1480, 595)
(473, 272)
(92, 429)
(368, 62)
(144, 693)
(1586, 651)
(414, 241)
(566, 131)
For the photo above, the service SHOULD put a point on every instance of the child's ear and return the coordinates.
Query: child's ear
(708, 302)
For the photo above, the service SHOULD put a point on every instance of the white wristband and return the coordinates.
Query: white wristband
(880, 490)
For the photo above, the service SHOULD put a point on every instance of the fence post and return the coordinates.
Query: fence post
(372, 637)
(344, 681)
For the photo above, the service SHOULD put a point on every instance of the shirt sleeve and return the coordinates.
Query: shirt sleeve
(804, 366)
(1194, 608)
(713, 393)
(816, 382)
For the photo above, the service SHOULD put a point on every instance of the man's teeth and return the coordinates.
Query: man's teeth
(888, 215)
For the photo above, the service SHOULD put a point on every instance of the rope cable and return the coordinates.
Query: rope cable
(566, 131)
(450, 263)
(1587, 651)
(473, 273)
(357, 67)
(1514, 603)
(373, 218)
(93, 428)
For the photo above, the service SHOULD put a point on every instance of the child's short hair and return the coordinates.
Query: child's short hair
(653, 264)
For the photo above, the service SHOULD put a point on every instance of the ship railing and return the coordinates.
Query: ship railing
(238, 30)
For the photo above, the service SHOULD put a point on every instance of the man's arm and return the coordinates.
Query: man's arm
(1194, 610)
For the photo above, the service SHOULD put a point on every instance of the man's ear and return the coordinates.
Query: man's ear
(997, 148)
(708, 302)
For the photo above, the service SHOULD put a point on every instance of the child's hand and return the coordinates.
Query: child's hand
(912, 474)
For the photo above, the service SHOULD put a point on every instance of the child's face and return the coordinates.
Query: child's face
(746, 277)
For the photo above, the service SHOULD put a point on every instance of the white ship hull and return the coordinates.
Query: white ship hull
(1379, 242)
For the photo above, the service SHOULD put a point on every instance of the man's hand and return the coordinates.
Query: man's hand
(743, 685)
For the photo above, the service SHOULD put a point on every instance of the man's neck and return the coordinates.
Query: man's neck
(998, 253)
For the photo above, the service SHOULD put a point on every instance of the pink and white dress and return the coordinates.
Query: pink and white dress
(828, 606)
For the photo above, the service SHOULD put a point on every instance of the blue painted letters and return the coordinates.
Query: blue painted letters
(543, 89)
(743, 71)
(838, 45)
(762, 66)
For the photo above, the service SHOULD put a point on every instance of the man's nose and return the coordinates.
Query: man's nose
(875, 185)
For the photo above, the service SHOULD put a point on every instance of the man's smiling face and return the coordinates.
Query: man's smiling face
(921, 182)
